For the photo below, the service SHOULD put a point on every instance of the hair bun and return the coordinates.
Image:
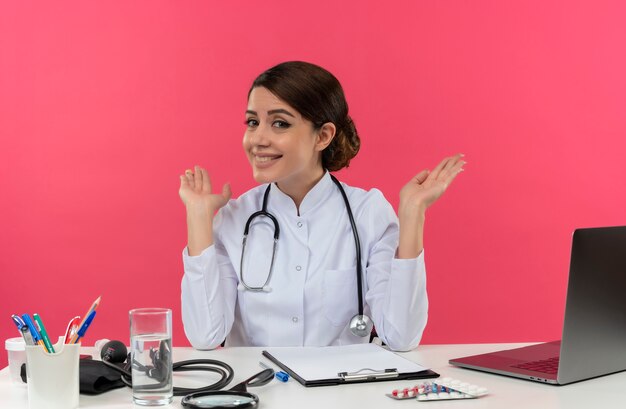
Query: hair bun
(343, 148)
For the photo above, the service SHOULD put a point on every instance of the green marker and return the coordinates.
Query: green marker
(44, 334)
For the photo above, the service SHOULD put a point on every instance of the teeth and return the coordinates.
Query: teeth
(265, 158)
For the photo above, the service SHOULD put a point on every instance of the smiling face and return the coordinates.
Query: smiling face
(281, 145)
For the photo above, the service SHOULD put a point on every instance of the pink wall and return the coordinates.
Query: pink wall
(103, 104)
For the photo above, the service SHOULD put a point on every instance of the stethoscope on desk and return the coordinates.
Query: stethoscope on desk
(361, 324)
(210, 396)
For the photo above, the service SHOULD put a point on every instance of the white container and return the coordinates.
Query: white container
(53, 381)
(17, 357)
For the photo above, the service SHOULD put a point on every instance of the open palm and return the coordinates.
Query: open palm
(427, 186)
(195, 191)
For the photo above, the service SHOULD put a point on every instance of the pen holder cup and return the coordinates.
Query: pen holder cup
(17, 356)
(53, 381)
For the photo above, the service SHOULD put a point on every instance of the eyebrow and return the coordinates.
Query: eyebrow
(272, 112)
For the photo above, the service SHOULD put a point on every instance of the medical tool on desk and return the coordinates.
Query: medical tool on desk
(114, 353)
(360, 325)
(236, 397)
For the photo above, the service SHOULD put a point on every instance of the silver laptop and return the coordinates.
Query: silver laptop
(594, 330)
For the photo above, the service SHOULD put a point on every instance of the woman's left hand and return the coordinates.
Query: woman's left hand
(427, 186)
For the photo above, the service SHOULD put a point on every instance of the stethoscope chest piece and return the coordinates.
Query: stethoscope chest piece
(361, 325)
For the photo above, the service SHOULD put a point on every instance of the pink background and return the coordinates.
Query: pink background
(104, 104)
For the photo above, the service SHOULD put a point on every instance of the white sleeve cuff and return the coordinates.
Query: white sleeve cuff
(198, 266)
(408, 265)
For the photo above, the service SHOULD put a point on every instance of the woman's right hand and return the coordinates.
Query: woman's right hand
(201, 204)
(195, 192)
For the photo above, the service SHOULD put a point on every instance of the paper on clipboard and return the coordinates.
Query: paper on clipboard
(317, 363)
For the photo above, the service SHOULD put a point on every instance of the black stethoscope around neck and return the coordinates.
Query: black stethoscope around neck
(360, 325)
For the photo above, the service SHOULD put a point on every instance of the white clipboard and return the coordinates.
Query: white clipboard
(333, 365)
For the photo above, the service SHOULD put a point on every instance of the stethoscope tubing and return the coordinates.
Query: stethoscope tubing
(225, 371)
(264, 212)
(357, 245)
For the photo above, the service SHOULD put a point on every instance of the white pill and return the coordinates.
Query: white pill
(444, 395)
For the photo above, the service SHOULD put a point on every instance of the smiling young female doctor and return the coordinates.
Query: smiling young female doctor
(297, 130)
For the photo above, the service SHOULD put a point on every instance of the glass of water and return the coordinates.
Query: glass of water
(151, 356)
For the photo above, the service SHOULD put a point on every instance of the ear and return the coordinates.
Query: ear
(325, 136)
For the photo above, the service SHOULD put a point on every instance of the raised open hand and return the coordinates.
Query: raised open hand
(195, 191)
(427, 186)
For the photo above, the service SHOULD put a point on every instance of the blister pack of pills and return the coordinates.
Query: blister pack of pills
(444, 389)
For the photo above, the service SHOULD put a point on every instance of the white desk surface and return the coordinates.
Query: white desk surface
(504, 392)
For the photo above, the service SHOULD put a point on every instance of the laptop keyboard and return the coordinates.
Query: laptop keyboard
(549, 366)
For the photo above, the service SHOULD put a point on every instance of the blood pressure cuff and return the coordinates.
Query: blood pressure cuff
(95, 377)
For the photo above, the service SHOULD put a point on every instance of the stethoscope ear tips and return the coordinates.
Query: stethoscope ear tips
(361, 325)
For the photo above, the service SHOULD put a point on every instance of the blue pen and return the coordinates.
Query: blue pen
(19, 323)
(280, 375)
(33, 331)
(83, 328)
(23, 329)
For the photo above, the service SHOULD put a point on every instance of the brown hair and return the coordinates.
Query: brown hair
(318, 96)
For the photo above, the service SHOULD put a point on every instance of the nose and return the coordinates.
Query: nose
(258, 136)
